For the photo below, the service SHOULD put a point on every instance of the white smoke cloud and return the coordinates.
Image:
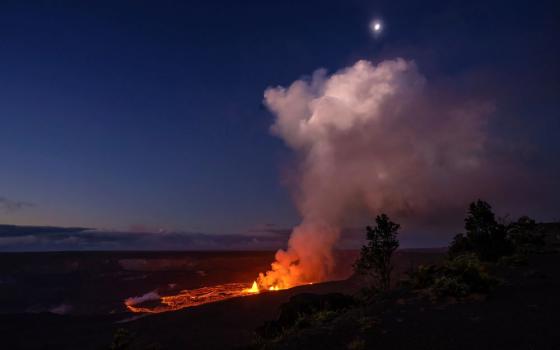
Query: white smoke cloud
(153, 295)
(370, 139)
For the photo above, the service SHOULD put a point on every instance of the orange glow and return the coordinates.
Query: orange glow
(254, 288)
(195, 297)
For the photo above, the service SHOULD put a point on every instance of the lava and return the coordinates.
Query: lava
(254, 288)
(195, 297)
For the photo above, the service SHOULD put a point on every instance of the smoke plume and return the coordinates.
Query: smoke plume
(371, 138)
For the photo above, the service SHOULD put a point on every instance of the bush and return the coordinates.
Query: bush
(450, 286)
(484, 236)
(422, 277)
(524, 236)
(469, 270)
(514, 260)
(458, 277)
(460, 245)
(357, 344)
(303, 311)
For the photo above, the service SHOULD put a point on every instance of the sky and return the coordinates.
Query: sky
(150, 117)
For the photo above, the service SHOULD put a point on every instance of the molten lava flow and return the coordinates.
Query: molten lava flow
(194, 297)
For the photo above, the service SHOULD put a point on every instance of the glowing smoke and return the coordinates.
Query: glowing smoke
(370, 138)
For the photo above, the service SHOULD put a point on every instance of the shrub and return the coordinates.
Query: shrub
(450, 286)
(524, 236)
(469, 270)
(422, 277)
(465, 274)
(357, 344)
(458, 277)
(303, 311)
(460, 245)
(514, 260)
(484, 235)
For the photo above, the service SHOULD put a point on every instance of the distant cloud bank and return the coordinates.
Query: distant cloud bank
(49, 238)
(9, 205)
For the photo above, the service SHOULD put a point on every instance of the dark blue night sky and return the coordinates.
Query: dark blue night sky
(148, 115)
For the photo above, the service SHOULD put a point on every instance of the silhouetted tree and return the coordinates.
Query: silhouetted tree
(484, 235)
(375, 257)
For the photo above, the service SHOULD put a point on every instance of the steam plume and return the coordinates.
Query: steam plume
(369, 138)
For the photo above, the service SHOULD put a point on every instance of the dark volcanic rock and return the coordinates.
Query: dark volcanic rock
(304, 304)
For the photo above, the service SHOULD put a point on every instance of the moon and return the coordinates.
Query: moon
(376, 26)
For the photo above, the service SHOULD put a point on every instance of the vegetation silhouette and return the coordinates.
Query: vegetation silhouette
(486, 256)
(484, 236)
(375, 257)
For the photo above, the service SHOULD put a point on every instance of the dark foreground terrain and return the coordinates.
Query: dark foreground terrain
(522, 313)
